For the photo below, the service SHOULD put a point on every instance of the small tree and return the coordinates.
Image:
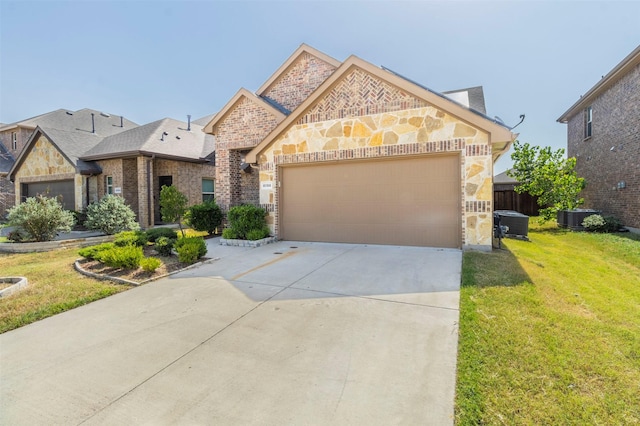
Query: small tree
(547, 175)
(111, 215)
(41, 218)
(205, 217)
(173, 205)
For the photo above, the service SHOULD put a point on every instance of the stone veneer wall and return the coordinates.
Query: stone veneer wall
(45, 163)
(616, 123)
(424, 130)
(7, 195)
(304, 76)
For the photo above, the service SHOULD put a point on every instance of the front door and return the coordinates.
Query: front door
(162, 181)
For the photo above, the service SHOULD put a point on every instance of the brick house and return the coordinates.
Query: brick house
(84, 155)
(350, 152)
(603, 133)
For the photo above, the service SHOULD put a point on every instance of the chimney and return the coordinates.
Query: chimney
(188, 122)
(93, 123)
(121, 122)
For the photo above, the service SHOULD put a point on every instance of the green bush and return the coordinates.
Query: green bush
(164, 245)
(127, 257)
(131, 238)
(150, 264)
(258, 234)
(17, 236)
(245, 218)
(154, 233)
(229, 234)
(597, 223)
(190, 249)
(111, 215)
(91, 251)
(41, 218)
(205, 217)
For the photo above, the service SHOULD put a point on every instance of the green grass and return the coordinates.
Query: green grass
(54, 287)
(550, 331)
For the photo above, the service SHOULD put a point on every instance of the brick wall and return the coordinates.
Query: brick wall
(616, 124)
(296, 84)
(22, 136)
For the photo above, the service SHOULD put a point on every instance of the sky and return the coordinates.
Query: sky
(149, 60)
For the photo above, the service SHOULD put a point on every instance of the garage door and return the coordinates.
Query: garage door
(61, 188)
(412, 201)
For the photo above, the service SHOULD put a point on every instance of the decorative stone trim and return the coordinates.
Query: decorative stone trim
(18, 284)
(247, 243)
(478, 206)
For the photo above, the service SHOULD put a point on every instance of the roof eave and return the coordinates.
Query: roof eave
(628, 63)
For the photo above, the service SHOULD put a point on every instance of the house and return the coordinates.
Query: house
(506, 198)
(603, 134)
(350, 152)
(83, 155)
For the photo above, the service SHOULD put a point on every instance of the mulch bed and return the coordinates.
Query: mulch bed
(169, 264)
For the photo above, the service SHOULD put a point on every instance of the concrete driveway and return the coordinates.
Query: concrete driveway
(288, 333)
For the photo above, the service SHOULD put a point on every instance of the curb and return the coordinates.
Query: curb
(247, 243)
(18, 284)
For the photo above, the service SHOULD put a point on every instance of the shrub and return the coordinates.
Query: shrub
(258, 234)
(164, 245)
(597, 223)
(154, 233)
(173, 205)
(150, 264)
(229, 234)
(91, 251)
(131, 238)
(190, 249)
(41, 218)
(128, 257)
(205, 217)
(17, 236)
(111, 215)
(243, 219)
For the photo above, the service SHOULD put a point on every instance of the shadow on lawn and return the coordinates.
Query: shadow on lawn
(497, 268)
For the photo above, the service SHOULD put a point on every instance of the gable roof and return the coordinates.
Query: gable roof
(291, 61)
(104, 124)
(166, 138)
(242, 93)
(627, 64)
(500, 136)
(70, 145)
(504, 179)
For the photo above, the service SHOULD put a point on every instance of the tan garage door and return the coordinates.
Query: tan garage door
(413, 201)
(62, 189)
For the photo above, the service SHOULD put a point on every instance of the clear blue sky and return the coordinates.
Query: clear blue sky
(149, 60)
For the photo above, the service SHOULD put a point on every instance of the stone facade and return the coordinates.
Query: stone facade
(609, 160)
(418, 131)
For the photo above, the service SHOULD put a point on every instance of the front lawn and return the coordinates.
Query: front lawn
(54, 287)
(550, 331)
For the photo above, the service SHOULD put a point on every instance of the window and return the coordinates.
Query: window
(109, 184)
(14, 141)
(588, 118)
(208, 186)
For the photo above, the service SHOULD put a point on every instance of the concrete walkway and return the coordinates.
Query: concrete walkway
(288, 333)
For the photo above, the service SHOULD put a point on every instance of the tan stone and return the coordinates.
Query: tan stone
(388, 120)
(470, 189)
(335, 130)
(463, 131)
(368, 121)
(401, 129)
(376, 139)
(390, 138)
(432, 123)
(486, 190)
(416, 121)
(346, 131)
(440, 114)
(331, 145)
(360, 130)
(423, 135)
(302, 147)
(288, 149)
(474, 170)
(471, 222)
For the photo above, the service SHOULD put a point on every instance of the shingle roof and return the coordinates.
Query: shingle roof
(474, 97)
(166, 137)
(503, 178)
(62, 119)
(73, 145)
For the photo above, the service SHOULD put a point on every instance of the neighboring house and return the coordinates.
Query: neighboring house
(350, 152)
(84, 155)
(603, 133)
(506, 198)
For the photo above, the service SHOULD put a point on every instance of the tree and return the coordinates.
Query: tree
(41, 218)
(205, 217)
(547, 175)
(111, 215)
(173, 205)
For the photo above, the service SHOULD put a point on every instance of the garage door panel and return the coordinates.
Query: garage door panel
(64, 190)
(410, 201)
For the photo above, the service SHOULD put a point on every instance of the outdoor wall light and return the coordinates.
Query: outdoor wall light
(622, 184)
